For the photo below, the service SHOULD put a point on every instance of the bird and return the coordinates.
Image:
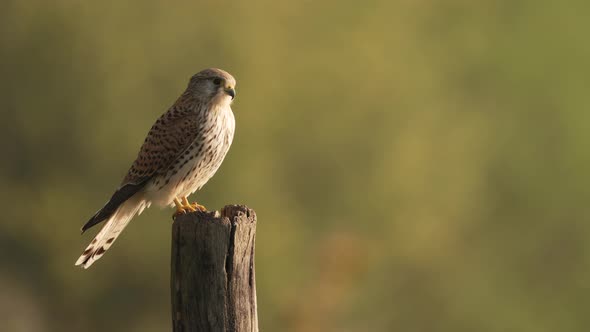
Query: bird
(182, 151)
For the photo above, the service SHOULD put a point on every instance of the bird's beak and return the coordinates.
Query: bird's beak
(230, 91)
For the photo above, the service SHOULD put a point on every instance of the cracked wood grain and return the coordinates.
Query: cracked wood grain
(212, 282)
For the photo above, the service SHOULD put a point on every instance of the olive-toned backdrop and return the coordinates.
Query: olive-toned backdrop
(415, 165)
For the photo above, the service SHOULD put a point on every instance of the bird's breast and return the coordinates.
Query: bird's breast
(199, 162)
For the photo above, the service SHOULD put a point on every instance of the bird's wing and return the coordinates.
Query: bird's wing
(167, 140)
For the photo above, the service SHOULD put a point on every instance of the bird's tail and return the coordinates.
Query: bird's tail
(111, 230)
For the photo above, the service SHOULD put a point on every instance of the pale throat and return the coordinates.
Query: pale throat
(221, 101)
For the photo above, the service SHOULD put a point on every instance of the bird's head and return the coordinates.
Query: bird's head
(213, 85)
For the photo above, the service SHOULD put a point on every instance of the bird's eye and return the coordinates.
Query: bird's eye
(217, 81)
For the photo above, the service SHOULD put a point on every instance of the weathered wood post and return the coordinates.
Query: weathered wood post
(212, 281)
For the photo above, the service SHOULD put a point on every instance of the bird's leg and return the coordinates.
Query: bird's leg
(182, 208)
(194, 205)
(185, 201)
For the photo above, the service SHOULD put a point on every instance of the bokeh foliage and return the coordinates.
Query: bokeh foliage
(415, 165)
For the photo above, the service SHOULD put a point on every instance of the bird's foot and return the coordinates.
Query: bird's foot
(182, 208)
(198, 207)
(195, 205)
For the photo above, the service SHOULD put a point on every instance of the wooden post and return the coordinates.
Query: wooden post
(212, 282)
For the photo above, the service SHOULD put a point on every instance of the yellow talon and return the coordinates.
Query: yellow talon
(182, 208)
(196, 206)
(199, 207)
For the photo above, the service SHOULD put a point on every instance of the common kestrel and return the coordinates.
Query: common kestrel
(181, 152)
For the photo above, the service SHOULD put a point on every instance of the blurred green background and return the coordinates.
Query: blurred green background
(415, 165)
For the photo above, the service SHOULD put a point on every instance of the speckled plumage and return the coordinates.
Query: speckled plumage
(181, 152)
